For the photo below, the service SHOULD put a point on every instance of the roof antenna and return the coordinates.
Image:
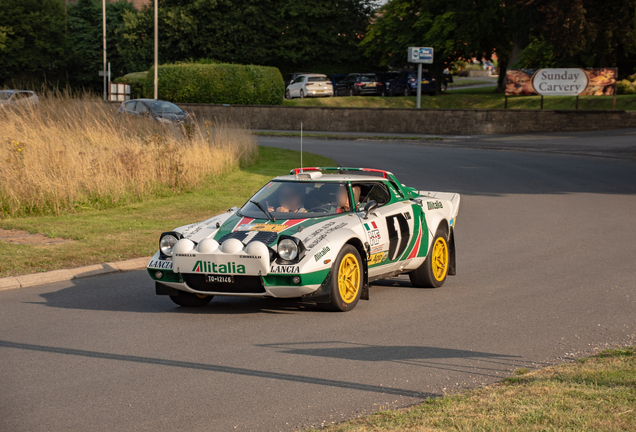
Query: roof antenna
(301, 146)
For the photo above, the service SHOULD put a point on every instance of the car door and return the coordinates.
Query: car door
(389, 229)
(343, 85)
(294, 88)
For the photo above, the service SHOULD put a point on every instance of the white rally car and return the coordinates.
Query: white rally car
(321, 234)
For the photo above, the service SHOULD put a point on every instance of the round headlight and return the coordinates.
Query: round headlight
(167, 243)
(287, 249)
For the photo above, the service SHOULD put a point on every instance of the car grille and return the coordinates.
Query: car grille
(261, 236)
(241, 285)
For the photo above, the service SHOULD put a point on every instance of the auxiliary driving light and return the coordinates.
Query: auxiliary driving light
(158, 275)
(296, 279)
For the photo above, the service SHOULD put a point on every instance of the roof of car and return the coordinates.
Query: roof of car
(331, 178)
(314, 75)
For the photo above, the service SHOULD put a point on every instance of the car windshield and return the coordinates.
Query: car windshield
(4, 95)
(164, 107)
(368, 78)
(318, 79)
(294, 200)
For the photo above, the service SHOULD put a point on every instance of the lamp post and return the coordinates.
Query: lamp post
(156, 48)
(105, 75)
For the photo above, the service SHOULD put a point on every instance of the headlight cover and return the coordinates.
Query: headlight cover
(290, 249)
(287, 249)
(166, 244)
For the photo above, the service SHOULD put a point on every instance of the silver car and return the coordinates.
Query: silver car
(18, 97)
(309, 85)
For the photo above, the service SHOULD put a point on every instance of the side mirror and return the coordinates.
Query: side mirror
(370, 208)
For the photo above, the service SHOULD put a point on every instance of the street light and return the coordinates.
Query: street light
(156, 47)
(105, 75)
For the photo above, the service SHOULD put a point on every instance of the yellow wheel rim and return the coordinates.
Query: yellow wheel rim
(439, 259)
(349, 278)
(201, 295)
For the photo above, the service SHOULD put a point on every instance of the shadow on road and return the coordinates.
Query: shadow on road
(218, 368)
(136, 294)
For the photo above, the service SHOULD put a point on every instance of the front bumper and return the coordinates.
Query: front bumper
(279, 285)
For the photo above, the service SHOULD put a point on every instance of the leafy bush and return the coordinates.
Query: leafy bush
(627, 86)
(136, 81)
(218, 83)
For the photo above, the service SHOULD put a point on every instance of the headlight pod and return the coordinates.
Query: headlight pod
(290, 249)
(167, 242)
(287, 249)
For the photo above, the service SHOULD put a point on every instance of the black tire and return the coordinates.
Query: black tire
(302, 94)
(191, 300)
(337, 302)
(350, 92)
(434, 270)
(287, 94)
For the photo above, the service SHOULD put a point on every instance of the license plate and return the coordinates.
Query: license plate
(320, 91)
(371, 85)
(424, 82)
(219, 279)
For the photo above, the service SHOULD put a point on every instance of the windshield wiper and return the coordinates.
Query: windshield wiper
(269, 215)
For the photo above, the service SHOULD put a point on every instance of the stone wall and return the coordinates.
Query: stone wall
(423, 121)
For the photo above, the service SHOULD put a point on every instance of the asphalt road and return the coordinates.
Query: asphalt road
(546, 271)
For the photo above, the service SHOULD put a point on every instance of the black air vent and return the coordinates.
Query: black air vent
(261, 236)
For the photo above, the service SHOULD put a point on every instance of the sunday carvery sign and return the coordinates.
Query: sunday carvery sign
(561, 82)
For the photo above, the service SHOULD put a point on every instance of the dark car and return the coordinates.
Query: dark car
(288, 78)
(162, 111)
(359, 84)
(335, 79)
(387, 78)
(406, 84)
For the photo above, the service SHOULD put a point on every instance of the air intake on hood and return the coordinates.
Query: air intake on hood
(247, 237)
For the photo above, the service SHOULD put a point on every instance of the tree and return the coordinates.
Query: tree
(85, 44)
(32, 36)
(456, 29)
(283, 33)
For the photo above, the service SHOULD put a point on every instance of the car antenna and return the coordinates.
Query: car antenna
(301, 146)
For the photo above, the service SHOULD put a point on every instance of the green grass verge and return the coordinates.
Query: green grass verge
(133, 230)
(475, 98)
(594, 394)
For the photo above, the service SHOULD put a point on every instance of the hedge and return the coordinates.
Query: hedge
(218, 84)
(136, 81)
(627, 86)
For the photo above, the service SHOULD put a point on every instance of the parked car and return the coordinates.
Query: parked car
(288, 78)
(406, 84)
(18, 97)
(320, 234)
(309, 85)
(335, 79)
(387, 78)
(357, 84)
(162, 111)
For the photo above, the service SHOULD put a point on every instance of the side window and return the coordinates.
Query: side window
(297, 80)
(129, 106)
(376, 191)
(141, 108)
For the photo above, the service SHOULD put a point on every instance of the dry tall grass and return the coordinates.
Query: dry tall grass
(69, 153)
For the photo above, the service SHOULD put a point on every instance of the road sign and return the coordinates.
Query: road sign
(420, 55)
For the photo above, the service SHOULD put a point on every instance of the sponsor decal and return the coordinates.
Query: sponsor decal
(322, 253)
(399, 234)
(318, 231)
(250, 256)
(199, 226)
(373, 232)
(208, 267)
(377, 258)
(186, 255)
(434, 205)
(407, 216)
(323, 235)
(378, 248)
(160, 264)
(284, 269)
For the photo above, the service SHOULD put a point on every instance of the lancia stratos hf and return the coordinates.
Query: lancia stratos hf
(320, 234)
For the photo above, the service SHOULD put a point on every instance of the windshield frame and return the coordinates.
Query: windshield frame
(283, 216)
